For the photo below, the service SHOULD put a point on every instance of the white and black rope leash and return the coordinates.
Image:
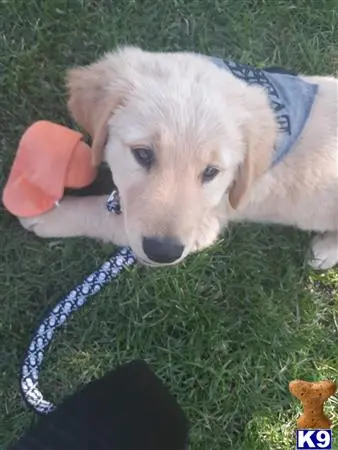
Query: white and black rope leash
(77, 297)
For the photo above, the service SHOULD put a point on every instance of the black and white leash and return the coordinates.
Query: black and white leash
(77, 297)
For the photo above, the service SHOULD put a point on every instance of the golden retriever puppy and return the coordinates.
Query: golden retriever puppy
(193, 143)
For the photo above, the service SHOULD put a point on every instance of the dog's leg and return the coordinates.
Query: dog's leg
(79, 216)
(324, 251)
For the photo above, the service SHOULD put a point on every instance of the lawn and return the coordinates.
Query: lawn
(228, 329)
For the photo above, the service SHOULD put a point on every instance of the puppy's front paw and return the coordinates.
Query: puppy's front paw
(207, 233)
(53, 223)
(34, 224)
(324, 251)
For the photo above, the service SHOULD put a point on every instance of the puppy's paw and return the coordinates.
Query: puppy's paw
(53, 223)
(207, 234)
(324, 251)
(35, 225)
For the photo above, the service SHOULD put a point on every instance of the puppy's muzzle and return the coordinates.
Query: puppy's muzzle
(163, 250)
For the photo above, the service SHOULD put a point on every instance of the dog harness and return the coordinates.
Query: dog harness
(291, 99)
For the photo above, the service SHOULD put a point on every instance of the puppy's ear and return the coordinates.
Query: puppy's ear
(260, 132)
(95, 91)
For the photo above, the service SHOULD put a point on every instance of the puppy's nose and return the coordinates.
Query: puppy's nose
(162, 249)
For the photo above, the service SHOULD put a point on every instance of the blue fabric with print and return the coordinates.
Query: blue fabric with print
(291, 99)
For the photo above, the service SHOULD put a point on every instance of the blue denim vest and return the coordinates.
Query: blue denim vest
(291, 99)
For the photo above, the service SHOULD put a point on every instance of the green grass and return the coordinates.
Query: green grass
(229, 328)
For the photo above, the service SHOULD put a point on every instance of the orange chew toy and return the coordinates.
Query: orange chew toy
(49, 159)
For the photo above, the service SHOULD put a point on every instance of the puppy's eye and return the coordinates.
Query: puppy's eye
(209, 174)
(144, 156)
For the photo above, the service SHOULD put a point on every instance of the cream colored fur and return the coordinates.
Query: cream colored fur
(194, 114)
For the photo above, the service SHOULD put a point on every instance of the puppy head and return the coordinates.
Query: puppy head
(183, 138)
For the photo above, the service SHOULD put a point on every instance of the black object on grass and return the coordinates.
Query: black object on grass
(127, 409)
